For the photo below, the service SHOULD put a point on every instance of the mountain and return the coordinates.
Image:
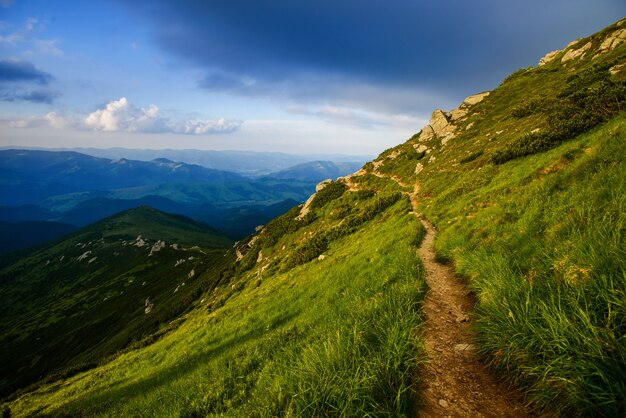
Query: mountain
(79, 189)
(247, 163)
(68, 305)
(316, 171)
(321, 312)
(37, 170)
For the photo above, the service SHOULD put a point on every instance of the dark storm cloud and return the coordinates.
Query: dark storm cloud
(453, 48)
(18, 71)
(36, 96)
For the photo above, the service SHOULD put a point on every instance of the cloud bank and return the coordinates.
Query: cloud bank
(325, 50)
(121, 116)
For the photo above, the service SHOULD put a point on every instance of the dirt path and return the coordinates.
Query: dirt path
(454, 382)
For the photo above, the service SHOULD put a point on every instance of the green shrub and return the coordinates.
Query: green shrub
(589, 98)
(329, 193)
(471, 157)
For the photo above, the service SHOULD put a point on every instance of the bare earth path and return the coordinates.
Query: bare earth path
(454, 382)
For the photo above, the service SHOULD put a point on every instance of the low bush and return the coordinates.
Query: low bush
(589, 98)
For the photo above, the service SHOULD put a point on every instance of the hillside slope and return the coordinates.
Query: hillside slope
(70, 303)
(321, 313)
(527, 187)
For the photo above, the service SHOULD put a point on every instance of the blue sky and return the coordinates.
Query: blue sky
(274, 75)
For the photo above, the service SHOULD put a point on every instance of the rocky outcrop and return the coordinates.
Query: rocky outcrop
(576, 53)
(306, 207)
(475, 98)
(319, 186)
(549, 57)
(442, 123)
(438, 126)
(616, 69)
(612, 40)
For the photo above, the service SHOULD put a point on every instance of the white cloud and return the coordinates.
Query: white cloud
(356, 117)
(10, 39)
(197, 127)
(111, 118)
(52, 119)
(121, 116)
(26, 37)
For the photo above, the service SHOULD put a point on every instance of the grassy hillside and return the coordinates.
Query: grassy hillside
(69, 304)
(529, 196)
(288, 334)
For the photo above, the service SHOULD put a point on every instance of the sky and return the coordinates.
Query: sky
(298, 76)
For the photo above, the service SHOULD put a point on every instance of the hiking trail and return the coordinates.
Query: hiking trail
(453, 381)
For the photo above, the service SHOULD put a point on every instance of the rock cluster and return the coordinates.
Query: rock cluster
(610, 42)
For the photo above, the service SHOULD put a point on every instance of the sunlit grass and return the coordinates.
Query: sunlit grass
(332, 337)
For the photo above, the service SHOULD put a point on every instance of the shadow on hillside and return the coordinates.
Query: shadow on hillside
(91, 402)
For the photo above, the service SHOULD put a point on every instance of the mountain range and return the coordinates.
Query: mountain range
(73, 188)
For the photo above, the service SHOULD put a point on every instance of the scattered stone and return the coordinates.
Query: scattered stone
(83, 256)
(139, 241)
(91, 260)
(148, 305)
(258, 228)
(158, 246)
(418, 168)
(462, 318)
(420, 148)
(321, 257)
(443, 403)
(62, 257)
(191, 274)
(464, 347)
(616, 69)
(174, 246)
(179, 262)
(469, 126)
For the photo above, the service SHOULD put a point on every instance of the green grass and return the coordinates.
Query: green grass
(541, 241)
(327, 338)
(546, 259)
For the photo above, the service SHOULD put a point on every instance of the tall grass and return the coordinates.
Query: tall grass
(545, 252)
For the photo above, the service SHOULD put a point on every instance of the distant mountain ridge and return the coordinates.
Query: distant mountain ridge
(75, 188)
(317, 171)
(247, 163)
